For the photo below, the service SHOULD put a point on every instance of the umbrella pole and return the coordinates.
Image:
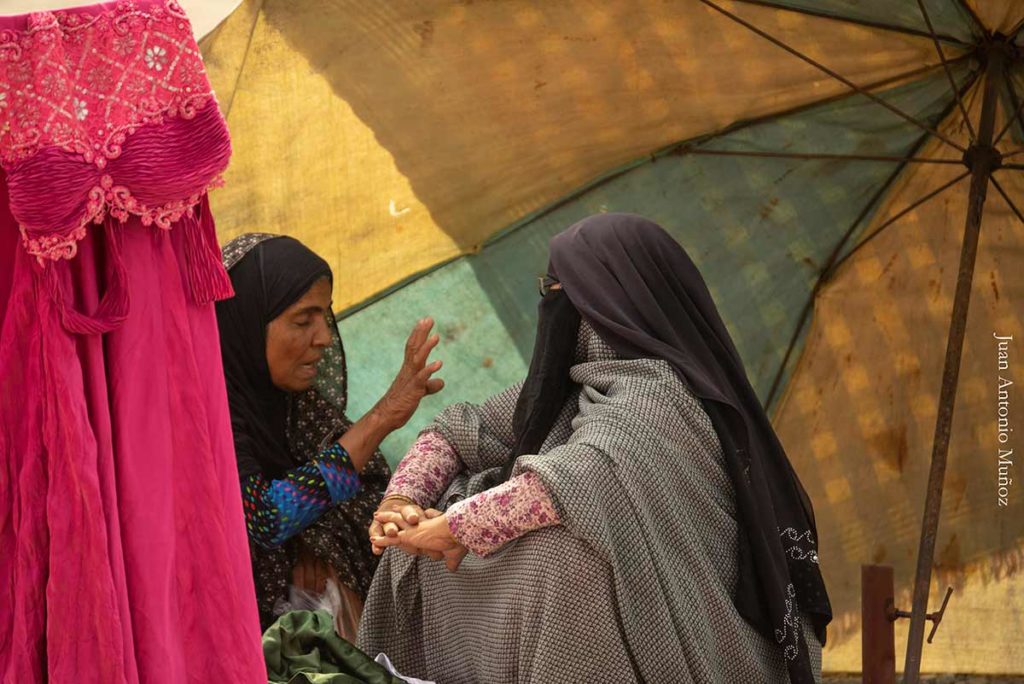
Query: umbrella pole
(982, 159)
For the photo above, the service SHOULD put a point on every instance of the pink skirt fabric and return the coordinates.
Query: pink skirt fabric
(123, 552)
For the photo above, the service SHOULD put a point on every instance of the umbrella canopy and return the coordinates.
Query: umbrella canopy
(809, 155)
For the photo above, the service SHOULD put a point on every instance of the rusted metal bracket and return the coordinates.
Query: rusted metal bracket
(893, 613)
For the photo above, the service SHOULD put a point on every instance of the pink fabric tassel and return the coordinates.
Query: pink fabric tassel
(207, 278)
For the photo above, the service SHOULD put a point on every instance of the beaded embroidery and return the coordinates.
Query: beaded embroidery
(794, 551)
(84, 81)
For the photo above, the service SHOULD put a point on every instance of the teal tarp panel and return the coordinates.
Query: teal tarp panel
(950, 18)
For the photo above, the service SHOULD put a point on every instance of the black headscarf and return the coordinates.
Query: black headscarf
(270, 277)
(638, 289)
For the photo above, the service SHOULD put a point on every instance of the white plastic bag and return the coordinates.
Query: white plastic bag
(342, 603)
(384, 662)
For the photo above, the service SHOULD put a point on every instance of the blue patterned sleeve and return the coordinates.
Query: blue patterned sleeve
(338, 473)
(276, 510)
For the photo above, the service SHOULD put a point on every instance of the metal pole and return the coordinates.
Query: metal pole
(982, 159)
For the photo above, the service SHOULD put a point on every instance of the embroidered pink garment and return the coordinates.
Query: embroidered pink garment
(426, 470)
(123, 553)
(482, 523)
(487, 521)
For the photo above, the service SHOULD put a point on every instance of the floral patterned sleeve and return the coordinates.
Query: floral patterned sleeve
(489, 520)
(276, 510)
(426, 470)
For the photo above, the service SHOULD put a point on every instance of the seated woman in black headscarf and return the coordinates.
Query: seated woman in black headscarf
(311, 479)
(626, 514)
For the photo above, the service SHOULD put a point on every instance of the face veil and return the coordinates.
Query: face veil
(548, 384)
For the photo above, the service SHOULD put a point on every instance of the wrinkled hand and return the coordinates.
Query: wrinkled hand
(410, 514)
(430, 537)
(414, 380)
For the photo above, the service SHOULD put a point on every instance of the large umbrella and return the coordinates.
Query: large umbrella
(819, 159)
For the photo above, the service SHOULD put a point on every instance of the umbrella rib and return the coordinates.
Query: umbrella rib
(970, 94)
(1019, 106)
(851, 20)
(1006, 197)
(945, 66)
(901, 214)
(829, 268)
(802, 321)
(978, 23)
(839, 77)
(798, 155)
(832, 265)
(1016, 29)
(747, 123)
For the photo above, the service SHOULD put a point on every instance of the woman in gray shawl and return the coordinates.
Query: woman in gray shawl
(628, 512)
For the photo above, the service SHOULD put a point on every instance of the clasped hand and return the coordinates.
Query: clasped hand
(415, 531)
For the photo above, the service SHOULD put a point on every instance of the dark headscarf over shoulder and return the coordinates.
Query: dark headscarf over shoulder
(645, 298)
(272, 275)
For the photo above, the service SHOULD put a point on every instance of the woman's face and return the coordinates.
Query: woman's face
(297, 338)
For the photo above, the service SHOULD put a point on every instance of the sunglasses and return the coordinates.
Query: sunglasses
(546, 284)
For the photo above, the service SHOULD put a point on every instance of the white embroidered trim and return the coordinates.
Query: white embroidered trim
(794, 551)
(789, 620)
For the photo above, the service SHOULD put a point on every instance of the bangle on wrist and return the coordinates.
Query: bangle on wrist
(400, 497)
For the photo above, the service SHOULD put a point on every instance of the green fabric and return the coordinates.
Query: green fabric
(760, 229)
(303, 648)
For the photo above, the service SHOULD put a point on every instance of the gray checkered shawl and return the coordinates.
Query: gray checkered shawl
(635, 583)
